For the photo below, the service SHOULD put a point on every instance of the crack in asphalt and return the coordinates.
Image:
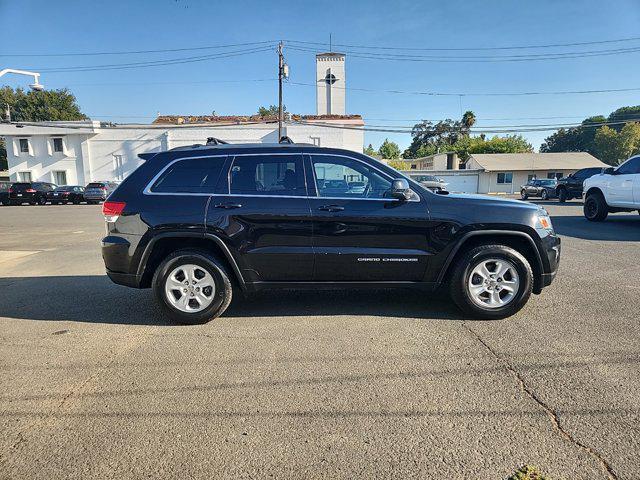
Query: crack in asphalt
(551, 413)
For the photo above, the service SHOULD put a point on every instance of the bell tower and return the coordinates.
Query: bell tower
(330, 84)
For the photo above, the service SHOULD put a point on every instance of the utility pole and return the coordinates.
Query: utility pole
(280, 76)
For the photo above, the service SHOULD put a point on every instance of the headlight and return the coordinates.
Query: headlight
(543, 221)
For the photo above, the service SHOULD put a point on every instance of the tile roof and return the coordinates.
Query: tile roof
(238, 119)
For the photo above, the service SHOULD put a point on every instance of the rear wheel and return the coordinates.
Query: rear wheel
(491, 282)
(42, 201)
(595, 207)
(562, 195)
(523, 194)
(192, 287)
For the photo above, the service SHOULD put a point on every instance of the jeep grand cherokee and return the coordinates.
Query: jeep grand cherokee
(199, 223)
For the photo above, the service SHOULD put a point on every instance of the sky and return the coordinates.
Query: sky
(240, 82)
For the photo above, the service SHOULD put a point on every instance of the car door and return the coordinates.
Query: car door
(261, 211)
(620, 188)
(362, 235)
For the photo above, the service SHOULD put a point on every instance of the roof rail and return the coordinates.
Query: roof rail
(215, 141)
(285, 139)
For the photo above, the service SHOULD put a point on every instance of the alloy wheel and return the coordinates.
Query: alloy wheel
(190, 288)
(493, 283)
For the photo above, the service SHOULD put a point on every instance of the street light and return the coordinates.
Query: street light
(35, 86)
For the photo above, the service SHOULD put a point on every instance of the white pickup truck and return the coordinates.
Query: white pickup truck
(614, 190)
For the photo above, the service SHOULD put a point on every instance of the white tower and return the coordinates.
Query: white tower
(330, 84)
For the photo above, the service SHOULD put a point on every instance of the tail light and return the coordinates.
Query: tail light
(11, 190)
(112, 210)
(30, 190)
(64, 194)
(104, 189)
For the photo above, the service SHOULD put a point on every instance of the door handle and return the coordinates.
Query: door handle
(228, 205)
(331, 208)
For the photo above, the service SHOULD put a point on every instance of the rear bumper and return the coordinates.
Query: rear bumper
(115, 253)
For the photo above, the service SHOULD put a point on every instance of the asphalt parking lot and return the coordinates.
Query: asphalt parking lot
(315, 384)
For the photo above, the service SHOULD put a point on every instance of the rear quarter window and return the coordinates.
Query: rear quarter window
(191, 175)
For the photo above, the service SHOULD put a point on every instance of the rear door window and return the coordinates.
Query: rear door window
(95, 185)
(268, 175)
(191, 175)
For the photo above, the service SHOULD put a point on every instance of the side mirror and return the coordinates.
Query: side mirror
(609, 171)
(400, 189)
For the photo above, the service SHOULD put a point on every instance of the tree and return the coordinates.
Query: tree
(370, 151)
(271, 111)
(397, 164)
(575, 139)
(614, 147)
(429, 138)
(48, 105)
(389, 150)
(509, 144)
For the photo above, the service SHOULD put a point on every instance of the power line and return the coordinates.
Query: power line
(495, 130)
(197, 82)
(175, 61)
(446, 49)
(476, 94)
(477, 59)
(133, 52)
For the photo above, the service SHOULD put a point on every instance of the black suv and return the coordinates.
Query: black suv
(198, 223)
(571, 186)
(31, 192)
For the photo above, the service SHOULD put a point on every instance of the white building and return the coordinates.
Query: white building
(76, 153)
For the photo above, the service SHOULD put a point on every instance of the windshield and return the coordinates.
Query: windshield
(547, 182)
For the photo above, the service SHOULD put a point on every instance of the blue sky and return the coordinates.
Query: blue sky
(228, 86)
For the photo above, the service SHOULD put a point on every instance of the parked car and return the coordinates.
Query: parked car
(97, 192)
(66, 194)
(30, 192)
(184, 226)
(431, 182)
(4, 193)
(571, 186)
(544, 188)
(614, 190)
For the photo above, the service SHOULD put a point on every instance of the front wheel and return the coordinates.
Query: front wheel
(42, 201)
(595, 207)
(491, 282)
(545, 195)
(192, 287)
(523, 195)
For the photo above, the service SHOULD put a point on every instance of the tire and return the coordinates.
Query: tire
(76, 202)
(54, 203)
(523, 195)
(463, 274)
(32, 202)
(202, 261)
(545, 195)
(42, 201)
(595, 207)
(6, 203)
(562, 195)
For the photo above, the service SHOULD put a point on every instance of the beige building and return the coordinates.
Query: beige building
(507, 172)
(499, 172)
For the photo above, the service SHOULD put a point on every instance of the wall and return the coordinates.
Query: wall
(42, 161)
(488, 182)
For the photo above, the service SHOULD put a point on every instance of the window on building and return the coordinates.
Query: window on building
(531, 177)
(24, 145)
(554, 175)
(60, 177)
(315, 141)
(267, 175)
(24, 176)
(348, 178)
(193, 175)
(57, 145)
(505, 177)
